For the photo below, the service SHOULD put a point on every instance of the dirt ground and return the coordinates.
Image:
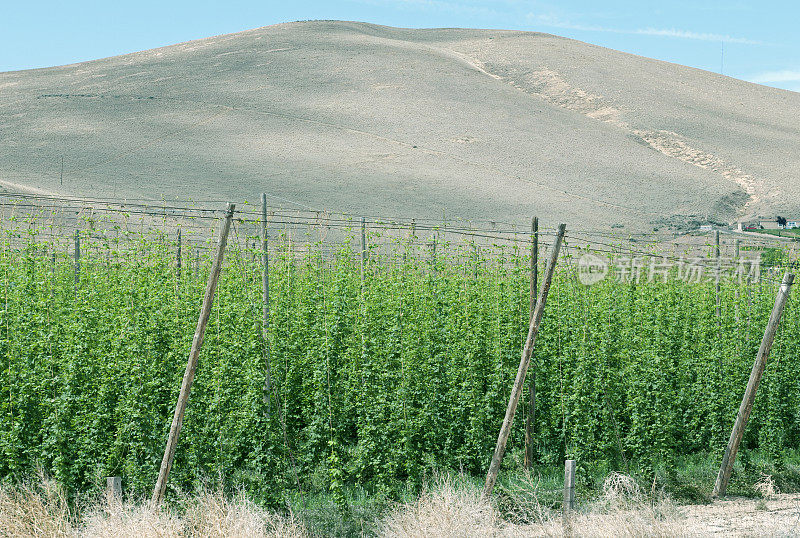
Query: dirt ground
(776, 516)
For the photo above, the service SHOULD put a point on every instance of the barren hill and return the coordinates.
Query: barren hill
(354, 117)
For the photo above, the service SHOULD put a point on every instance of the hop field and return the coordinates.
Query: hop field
(383, 383)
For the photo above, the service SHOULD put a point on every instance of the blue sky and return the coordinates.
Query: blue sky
(756, 41)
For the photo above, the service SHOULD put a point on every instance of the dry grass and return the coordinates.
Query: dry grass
(447, 510)
(34, 511)
(620, 489)
(766, 486)
(27, 511)
(110, 517)
(444, 510)
(212, 515)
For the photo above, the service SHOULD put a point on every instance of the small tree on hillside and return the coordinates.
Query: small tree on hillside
(781, 222)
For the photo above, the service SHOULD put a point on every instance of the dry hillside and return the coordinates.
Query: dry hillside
(354, 117)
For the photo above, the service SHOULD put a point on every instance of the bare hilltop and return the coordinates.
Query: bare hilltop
(371, 120)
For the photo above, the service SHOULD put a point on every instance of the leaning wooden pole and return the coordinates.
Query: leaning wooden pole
(191, 365)
(531, 416)
(516, 391)
(721, 485)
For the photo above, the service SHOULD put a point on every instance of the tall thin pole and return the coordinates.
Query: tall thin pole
(77, 256)
(191, 365)
(736, 293)
(718, 260)
(363, 248)
(265, 304)
(178, 255)
(530, 419)
(724, 475)
(516, 391)
(718, 314)
(534, 265)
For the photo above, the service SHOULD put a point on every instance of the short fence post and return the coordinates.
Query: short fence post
(569, 496)
(114, 488)
(569, 485)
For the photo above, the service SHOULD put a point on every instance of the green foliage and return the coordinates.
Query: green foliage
(381, 383)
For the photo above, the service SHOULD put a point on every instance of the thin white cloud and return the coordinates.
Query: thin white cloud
(472, 8)
(684, 34)
(786, 75)
(555, 22)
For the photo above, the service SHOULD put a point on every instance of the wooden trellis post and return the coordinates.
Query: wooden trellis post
(516, 391)
(736, 293)
(531, 417)
(265, 299)
(363, 248)
(191, 365)
(724, 475)
(77, 256)
(178, 255)
(717, 311)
